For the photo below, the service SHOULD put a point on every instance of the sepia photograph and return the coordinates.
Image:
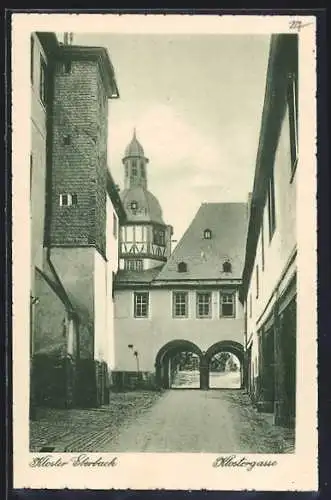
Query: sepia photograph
(163, 255)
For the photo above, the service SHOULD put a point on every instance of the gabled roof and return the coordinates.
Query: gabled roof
(205, 257)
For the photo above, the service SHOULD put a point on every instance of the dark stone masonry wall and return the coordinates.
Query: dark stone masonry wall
(79, 130)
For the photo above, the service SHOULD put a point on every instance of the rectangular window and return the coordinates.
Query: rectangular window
(42, 82)
(31, 58)
(180, 302)
(114, 226)
(141, 304)
(271, 205)
(159, 237)
(292, 98)
(133, 265)
(67, 139)
(257, 281)
(129, 234)
(68, 199)
(227, 304)
(139, 234)
(204, 305)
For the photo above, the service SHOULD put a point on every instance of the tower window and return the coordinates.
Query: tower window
(134, 205)
(133, 265)
(207, 234)
(68, 199)
(159, 237)
(67, 139)
(227, 267)
(227, 304)
(134, 167)
(142, 169)
(182, 267)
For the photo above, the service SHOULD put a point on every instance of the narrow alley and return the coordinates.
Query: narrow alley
(188, 421)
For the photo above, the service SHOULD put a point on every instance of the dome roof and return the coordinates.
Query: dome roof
(141, 206)
(134, 148)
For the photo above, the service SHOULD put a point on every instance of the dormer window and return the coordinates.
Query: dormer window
(207, 234)
(227, 267)
(134, 205)
(182, 267)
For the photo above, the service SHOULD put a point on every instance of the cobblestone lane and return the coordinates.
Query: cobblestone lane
(86, 430)
(212, 421)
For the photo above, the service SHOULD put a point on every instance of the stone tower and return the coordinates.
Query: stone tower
(145, 238)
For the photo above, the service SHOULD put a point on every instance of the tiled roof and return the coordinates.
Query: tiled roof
(205, 257)
(145, 276)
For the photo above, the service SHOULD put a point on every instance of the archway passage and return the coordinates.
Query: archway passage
(224, 371)
(225, 361)
(178, 365)
(185, 371)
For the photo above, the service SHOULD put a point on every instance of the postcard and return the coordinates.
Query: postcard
(164, 251)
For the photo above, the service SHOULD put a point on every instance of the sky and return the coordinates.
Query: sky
(196, 103)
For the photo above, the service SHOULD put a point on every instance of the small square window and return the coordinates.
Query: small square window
(207, 234)
(68, 199)
(182, 267)
(67, 139)
(227, 268)
(64, 200)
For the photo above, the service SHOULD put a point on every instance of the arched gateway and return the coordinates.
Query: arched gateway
(169, 350)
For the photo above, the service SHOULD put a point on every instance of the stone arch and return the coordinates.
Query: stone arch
(165, 353)
(226, 346)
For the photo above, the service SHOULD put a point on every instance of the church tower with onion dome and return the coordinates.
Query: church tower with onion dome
(145, 238)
